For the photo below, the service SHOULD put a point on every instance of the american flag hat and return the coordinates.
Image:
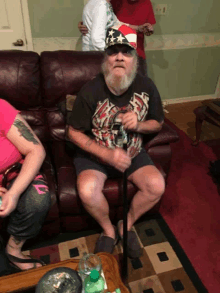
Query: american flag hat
(121, 35)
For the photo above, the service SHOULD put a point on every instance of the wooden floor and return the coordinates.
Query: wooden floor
(183, 117)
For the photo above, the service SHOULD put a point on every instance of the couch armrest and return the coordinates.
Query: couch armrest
(167, 135)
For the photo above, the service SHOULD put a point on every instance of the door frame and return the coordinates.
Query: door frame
(27, 25)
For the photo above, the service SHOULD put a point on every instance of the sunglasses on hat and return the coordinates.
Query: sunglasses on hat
(114, 50)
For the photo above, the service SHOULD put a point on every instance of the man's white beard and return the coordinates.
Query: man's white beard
(119, 83)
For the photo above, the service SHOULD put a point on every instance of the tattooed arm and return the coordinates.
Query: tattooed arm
(117, 157)
(23, 137)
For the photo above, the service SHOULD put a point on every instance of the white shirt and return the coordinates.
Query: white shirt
(98, 16)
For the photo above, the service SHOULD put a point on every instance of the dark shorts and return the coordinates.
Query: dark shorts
(83, 161)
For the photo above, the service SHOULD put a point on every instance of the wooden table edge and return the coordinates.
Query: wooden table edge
(25, 280)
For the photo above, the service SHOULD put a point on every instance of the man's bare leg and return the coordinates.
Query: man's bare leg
(14, 247)
(151, 185)
(90, 184)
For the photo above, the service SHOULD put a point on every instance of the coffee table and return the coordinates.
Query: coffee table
(23, 281)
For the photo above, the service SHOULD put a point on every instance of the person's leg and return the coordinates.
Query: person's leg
(26, 221)
(151, 185)
(90, 184)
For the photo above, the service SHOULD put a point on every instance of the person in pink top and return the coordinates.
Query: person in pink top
(26, 198)
(134, 12)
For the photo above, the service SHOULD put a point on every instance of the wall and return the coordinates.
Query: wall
(183, 54)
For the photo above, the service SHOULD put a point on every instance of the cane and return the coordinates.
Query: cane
(125, 209)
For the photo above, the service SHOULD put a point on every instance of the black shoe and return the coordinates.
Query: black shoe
(134, 248)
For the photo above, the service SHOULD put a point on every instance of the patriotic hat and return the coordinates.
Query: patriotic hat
(121, 35)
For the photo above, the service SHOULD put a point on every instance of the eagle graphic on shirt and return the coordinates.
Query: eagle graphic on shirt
(108, 129)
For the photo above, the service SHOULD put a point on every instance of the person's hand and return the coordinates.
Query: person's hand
(148, 29)
(9, 203)
(118, 158)
(129, 121)
(82, 28)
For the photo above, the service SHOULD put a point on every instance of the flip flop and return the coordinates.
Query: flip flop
(13, 259)
(134, 248)
(106, 243)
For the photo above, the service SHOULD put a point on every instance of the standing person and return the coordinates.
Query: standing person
(118, 103)
(26, 199)
(98, 16)
(134, 12)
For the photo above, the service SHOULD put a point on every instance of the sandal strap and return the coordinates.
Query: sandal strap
(22, 260)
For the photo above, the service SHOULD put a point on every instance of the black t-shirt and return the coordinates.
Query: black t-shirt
(96, 109)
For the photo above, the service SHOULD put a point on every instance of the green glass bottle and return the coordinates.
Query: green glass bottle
(94, 283)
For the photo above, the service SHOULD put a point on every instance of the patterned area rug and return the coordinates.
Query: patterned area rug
(163, 267)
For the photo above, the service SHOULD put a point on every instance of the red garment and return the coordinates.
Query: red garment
(136, 13)
(9, 154)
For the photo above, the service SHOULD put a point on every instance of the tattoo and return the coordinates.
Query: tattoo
(25, 131)
(89, 142)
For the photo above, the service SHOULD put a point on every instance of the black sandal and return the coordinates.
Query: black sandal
(13, 259)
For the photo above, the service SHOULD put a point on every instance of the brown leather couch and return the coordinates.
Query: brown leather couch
(36, 85)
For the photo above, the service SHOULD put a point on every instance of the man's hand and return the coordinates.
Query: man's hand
(118, 158)
(9, 203)
(82, 28)
(146, 29)
(129, 121)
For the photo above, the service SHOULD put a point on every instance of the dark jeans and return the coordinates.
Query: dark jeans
(26, 220)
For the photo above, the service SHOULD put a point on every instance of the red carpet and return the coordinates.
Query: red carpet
(191, 208)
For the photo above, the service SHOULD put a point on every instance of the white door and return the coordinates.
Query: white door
(12, 30)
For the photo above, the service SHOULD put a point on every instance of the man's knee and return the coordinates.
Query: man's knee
(156, 187)
(87, 187)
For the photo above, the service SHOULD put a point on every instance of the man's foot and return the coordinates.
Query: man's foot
(24, 262)
(106, 243)
(134, 248)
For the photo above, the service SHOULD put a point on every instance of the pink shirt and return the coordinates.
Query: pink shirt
(9, 154)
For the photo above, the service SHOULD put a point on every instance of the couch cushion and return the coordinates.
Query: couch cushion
(65, 72)
(20, 78)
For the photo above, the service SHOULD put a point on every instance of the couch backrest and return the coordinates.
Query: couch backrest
(20, 86)
(64, 73)
(36, 84)
(20, 78)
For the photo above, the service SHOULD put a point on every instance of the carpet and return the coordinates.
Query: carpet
(191, 207)
(163, 267)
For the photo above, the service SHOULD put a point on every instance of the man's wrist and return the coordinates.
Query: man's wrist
(138, 127)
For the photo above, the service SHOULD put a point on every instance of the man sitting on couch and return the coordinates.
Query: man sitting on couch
(118, 105)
